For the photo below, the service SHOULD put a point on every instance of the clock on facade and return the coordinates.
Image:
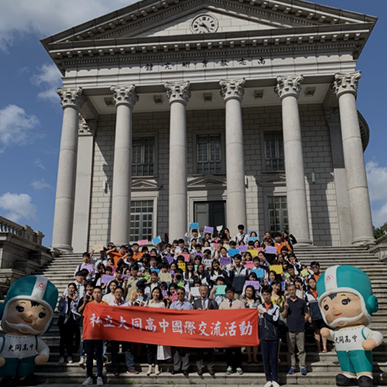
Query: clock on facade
(203, 24)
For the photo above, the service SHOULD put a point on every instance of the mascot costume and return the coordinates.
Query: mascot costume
(25, 315)
(347, 304)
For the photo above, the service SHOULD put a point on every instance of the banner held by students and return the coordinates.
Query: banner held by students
(186, 328)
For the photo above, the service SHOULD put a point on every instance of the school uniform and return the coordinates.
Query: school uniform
(269, 340)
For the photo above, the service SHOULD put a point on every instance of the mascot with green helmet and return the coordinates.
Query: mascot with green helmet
(347, 304)
(25, 315)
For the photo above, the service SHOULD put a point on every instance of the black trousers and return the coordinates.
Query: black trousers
(269, 350)
(69, 338)
(151, 354)
(234, 357)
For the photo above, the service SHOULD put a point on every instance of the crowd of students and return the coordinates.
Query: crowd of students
(202, 271)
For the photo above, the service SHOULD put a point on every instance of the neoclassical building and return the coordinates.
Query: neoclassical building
(217, 112)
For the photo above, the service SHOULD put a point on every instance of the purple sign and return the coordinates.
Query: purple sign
(225, 261)
(208, 230)
(242, 248)
(169, 258)
(255, 284)
(271, 250)
(107, 278)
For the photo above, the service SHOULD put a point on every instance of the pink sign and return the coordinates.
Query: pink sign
(187, 257)
(248, 264)
(143, 242)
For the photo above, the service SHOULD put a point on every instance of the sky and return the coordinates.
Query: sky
(31, 114)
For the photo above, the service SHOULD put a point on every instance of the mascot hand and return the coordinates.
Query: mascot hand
(324, 332)
(369, 344)
(41, 359)
(2, 361)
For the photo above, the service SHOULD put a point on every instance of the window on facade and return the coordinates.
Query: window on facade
(143, 163)
(274, 151)
(141, 220)
(278, 214)
(208, 154)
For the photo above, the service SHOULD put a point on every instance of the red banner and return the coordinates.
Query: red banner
(186, 328)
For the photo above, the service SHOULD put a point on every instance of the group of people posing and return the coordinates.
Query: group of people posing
(198, 272)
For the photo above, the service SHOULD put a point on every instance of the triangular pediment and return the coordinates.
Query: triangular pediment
(207, 182)
(141, 184)
(209, 20)
(173, 17)
(152, 27)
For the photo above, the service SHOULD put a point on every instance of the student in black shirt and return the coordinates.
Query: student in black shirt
(296, 314)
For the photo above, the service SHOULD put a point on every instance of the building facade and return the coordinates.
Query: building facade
(221, 113)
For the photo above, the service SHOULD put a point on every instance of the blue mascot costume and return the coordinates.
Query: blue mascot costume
(347, 304)
(25, 315)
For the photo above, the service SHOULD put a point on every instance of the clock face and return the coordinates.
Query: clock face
(204, 24)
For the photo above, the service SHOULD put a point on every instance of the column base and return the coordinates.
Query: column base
(60, 250)
(366, 241)
(304, 243)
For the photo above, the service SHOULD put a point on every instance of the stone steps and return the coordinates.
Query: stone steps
(220, 367)
(322, 367)
(220, 378)
(313, 358)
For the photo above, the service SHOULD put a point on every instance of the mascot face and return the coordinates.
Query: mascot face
(343, 309)
(27, 317)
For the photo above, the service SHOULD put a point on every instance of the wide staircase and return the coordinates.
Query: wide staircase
(322, 367)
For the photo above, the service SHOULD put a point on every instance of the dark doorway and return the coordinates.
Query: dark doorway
(210, 213)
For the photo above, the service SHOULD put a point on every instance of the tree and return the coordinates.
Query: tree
(378, 232)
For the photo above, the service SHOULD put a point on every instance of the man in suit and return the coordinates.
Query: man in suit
(233, 355)
(204, 303)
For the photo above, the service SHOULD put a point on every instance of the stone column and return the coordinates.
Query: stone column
(343, 210)
(288, 89)
(71, 100)
(125, 97)
(86, 133)
(232, 91)
(345, 87)
(178, 95)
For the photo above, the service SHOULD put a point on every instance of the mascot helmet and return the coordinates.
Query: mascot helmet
(34, 288)
(350, 279)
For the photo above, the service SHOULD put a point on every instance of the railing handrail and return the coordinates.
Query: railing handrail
(23, 231)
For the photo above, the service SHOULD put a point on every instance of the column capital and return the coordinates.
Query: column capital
(288, 86)
(232, 88)
(178, 92)
(124, 95)
(71, 97)
(346, 83)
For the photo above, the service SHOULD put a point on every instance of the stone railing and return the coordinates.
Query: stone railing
(21, 252)
(381, 245)
(25, 231)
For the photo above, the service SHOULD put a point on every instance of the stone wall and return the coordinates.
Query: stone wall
(321, 195)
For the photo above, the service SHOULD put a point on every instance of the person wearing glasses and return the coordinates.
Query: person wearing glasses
(180, 355)
(205, 303)
(315, 266)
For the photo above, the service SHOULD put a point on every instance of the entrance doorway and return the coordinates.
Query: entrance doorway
(278, 214)
(210, 214)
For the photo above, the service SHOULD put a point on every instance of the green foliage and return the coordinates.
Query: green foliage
(378, 232)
